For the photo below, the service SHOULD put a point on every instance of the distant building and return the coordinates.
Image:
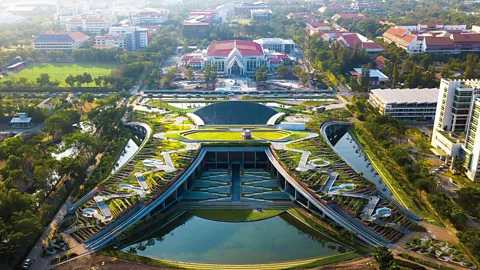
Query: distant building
(350, 40)
(261, 15)
(348, 16)
(197, 25)
(236, 57)
(333, 9)
(277, 44)
(243, 9)
(110, 41)
(59, 41)
(406, 104)
(149, 16)
(458, 110)
(15, 67)
(134, 37)
(21, 121)
(376, 76)
(306, 16)
(91, 25)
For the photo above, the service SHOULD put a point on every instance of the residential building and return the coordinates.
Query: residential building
(277, 44)
(348, 16)
(243, 9)
(377, 78)
(89, 24)
(197, 25)
(456, 132)
(434, 38)
(406, 104)
(21, 121)
(135, 37)
(360, 6)
(149, 16)
(261, 15)
(110, 41)
(350, 40)
(236, 57)
(333, 9)
(59, 41)
(16, 67)
(306, 16)
(314, 26)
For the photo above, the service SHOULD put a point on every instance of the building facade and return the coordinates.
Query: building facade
(91, 25)
(110, 41)
(261, 15)
(406, 104)
(135, 37)
(243, 9)
(277, 44)
(455, 129)
(59, 41)
(149, 16)
(236, 58)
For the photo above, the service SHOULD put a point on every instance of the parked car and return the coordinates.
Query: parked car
(27, 263)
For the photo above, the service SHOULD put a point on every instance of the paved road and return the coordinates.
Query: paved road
(40, 262)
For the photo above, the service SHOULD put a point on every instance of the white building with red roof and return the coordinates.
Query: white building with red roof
(236, 57)
(88, 24)
(350, 40)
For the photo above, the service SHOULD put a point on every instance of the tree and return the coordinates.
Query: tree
(56, 125)
(70, 80)
(43, 80)
(189, 73)
(87, 78)
(79, 80)
(283, 71)
(98, 81)
(395, 75)
(87, 97)
(384, 258)
(365, 78)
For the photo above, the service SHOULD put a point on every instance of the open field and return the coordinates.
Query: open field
(60, 71)
(236, 135)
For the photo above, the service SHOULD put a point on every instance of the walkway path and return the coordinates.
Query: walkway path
(302, 165)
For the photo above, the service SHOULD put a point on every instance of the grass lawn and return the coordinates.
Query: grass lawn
(236, 135)
(235, 215)
(60, 71)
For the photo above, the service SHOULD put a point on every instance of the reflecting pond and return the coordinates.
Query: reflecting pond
(194, 239)
(349, 149)
(130, 149)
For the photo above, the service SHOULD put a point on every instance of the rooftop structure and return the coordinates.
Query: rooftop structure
(350, 40)
(348, 16)
(59, 41)
(243, 9)
(333, 9)
(21, 121)
(134, 37)
(306, 16)
(376, 76)
(406, 104)
(277, 44)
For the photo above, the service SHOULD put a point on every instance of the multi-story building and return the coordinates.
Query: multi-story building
(352, 40)
(134, 37)
(406, 104)
(197, 24)
(277, 44)
(243, 9)
(455, 131)
(59, 41)
(149, 16)
(110, 41)
(236, 57)
(434, 38)
(376, 76)
(261, 15)
(89, 24)
(66, 12)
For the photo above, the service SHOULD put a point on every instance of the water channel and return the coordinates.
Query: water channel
(193, 239)
(130, 148)
(348, 148)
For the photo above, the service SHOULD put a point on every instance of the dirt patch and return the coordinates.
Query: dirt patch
(96, 261)
(360, 263)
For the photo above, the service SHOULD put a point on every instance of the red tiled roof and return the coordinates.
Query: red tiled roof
(438, 41)
(51, 35)
(466, 38)
(399, 35)
(223, 48)
(347, 16)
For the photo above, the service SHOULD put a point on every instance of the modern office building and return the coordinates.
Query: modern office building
(110, 41)
(135, 37)
(406, 104)
(277, 44)
(455, 131)
(149, 16)
(59, 41)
